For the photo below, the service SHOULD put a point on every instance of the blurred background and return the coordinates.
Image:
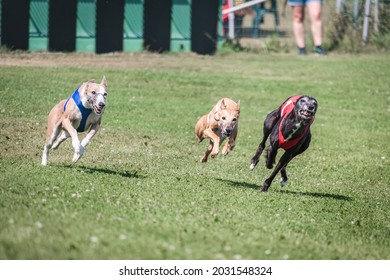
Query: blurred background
(343, 22)
(199, 26)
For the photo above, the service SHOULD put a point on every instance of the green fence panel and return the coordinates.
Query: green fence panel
(181, 26)
(38, 26)
(133, 26)
(86, 26)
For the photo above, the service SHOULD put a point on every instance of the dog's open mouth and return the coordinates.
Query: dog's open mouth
(305, 113)
(226, 133)
(98, 109)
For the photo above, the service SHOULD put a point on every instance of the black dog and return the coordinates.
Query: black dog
(289, 127)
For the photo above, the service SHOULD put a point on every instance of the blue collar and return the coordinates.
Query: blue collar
(84, 111)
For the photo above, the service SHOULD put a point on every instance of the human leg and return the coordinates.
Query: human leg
(298, 25)
(314, 10)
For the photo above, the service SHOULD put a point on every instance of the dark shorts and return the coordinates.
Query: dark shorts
(302, 2)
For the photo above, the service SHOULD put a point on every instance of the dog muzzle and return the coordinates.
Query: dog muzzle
(99, 108)
(307, 112)
(227, 132)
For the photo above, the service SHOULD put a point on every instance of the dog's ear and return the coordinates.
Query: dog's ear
(223, 105)
(238, 105)
(217, 109)
(104, 82)
(85, 86)
(216, 116)
(91, 81)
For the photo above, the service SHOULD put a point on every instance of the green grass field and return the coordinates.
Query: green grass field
(140, 193)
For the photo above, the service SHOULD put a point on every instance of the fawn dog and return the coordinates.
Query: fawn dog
(219, 124)
(289, 129)
(82, 111)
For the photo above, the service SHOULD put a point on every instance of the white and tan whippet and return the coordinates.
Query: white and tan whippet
(82, 111)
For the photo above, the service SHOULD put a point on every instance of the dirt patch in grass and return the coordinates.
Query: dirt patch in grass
(114, 60)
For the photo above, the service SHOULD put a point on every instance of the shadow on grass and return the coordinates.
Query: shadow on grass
(126, 174)
(284, 191)
(316, 194)
(239, 184)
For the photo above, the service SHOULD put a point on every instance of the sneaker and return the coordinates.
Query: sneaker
(319, 50)
(302, 51)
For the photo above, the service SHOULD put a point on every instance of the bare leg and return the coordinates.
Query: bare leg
(298, 26)
(314, 9)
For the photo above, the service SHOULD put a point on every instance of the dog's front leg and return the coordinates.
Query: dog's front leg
(230, 144)
(281, 164)
(208, 151)
(215, 139)
(298, 150)
(78, 149)
(92, 131)
(284, 178)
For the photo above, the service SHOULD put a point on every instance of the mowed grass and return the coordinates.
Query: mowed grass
(140, 193)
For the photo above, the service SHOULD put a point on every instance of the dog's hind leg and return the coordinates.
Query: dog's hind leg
(50, 138)
(269, 122)
(271, 155)
(64, 135)
(256, 157)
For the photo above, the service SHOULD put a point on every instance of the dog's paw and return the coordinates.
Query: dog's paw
(203, 159)
(55, 145)
(82, 150)
(78, 154)
(283, 182)
(76, 157)
(264, 189)
(253, 164)
(214, 154)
